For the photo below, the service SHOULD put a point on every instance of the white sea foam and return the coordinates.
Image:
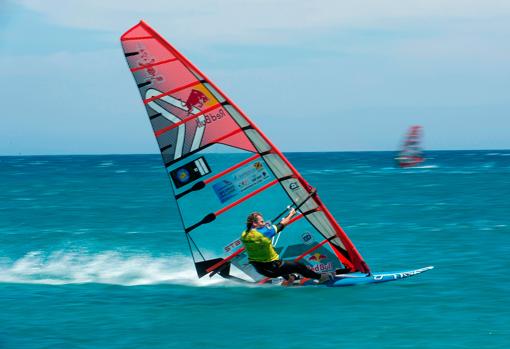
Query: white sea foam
(497, 154)
(109, 267)
(424, 166)
(105, 164)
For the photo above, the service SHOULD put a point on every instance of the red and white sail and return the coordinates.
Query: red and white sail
(193, 121)
(411, 152)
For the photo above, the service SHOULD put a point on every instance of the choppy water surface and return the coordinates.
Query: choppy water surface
(92, 255)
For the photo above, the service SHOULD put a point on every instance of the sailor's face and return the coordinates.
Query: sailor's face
(259, 222)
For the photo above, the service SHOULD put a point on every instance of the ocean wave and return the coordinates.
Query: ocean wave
(370, 170)
(106, 164)
(108, 267)
(461, 172)
(497, 154)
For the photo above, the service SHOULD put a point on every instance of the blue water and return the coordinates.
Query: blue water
(92, 255)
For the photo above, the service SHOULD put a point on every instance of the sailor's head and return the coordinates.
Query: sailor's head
(254, 220)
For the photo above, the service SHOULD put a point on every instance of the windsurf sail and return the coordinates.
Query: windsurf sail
(411, 152)
(194, 122)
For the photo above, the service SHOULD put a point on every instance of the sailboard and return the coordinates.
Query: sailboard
(194, 122)
(411, 152)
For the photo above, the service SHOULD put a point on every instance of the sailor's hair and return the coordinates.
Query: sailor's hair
(252, 217)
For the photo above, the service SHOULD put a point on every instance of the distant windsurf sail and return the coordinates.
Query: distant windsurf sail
(411, 152)
(193, 121)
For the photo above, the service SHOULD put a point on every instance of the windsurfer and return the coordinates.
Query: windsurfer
(261, 254)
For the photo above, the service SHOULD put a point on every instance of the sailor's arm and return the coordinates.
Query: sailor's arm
(285, 220)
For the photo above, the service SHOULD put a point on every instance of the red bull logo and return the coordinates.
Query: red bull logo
(317, 257)
(210, 118)
(321, 267)
(195, 99)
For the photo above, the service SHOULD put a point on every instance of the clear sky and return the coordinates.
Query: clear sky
(313, 75)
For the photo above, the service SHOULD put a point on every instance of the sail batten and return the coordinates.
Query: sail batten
(138, 38)
(185, 120)
(226, 208)
(177, 89)
(150, 65)
(232, 168)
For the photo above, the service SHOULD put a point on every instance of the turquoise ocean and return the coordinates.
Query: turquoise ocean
(92, 255)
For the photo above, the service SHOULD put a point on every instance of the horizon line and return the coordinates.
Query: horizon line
(285, 152)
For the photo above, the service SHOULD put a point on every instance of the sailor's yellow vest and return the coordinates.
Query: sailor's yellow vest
(258, 247)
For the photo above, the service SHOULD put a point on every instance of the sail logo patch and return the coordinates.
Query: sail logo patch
(190, 172)
(307, 238)
(183, 175)
(210, 118)
(319, 263)
(317, 257)
(196, 99)
(146, 60)
(233, 245)
(241, 180)
(293, 186)
(321, 267)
